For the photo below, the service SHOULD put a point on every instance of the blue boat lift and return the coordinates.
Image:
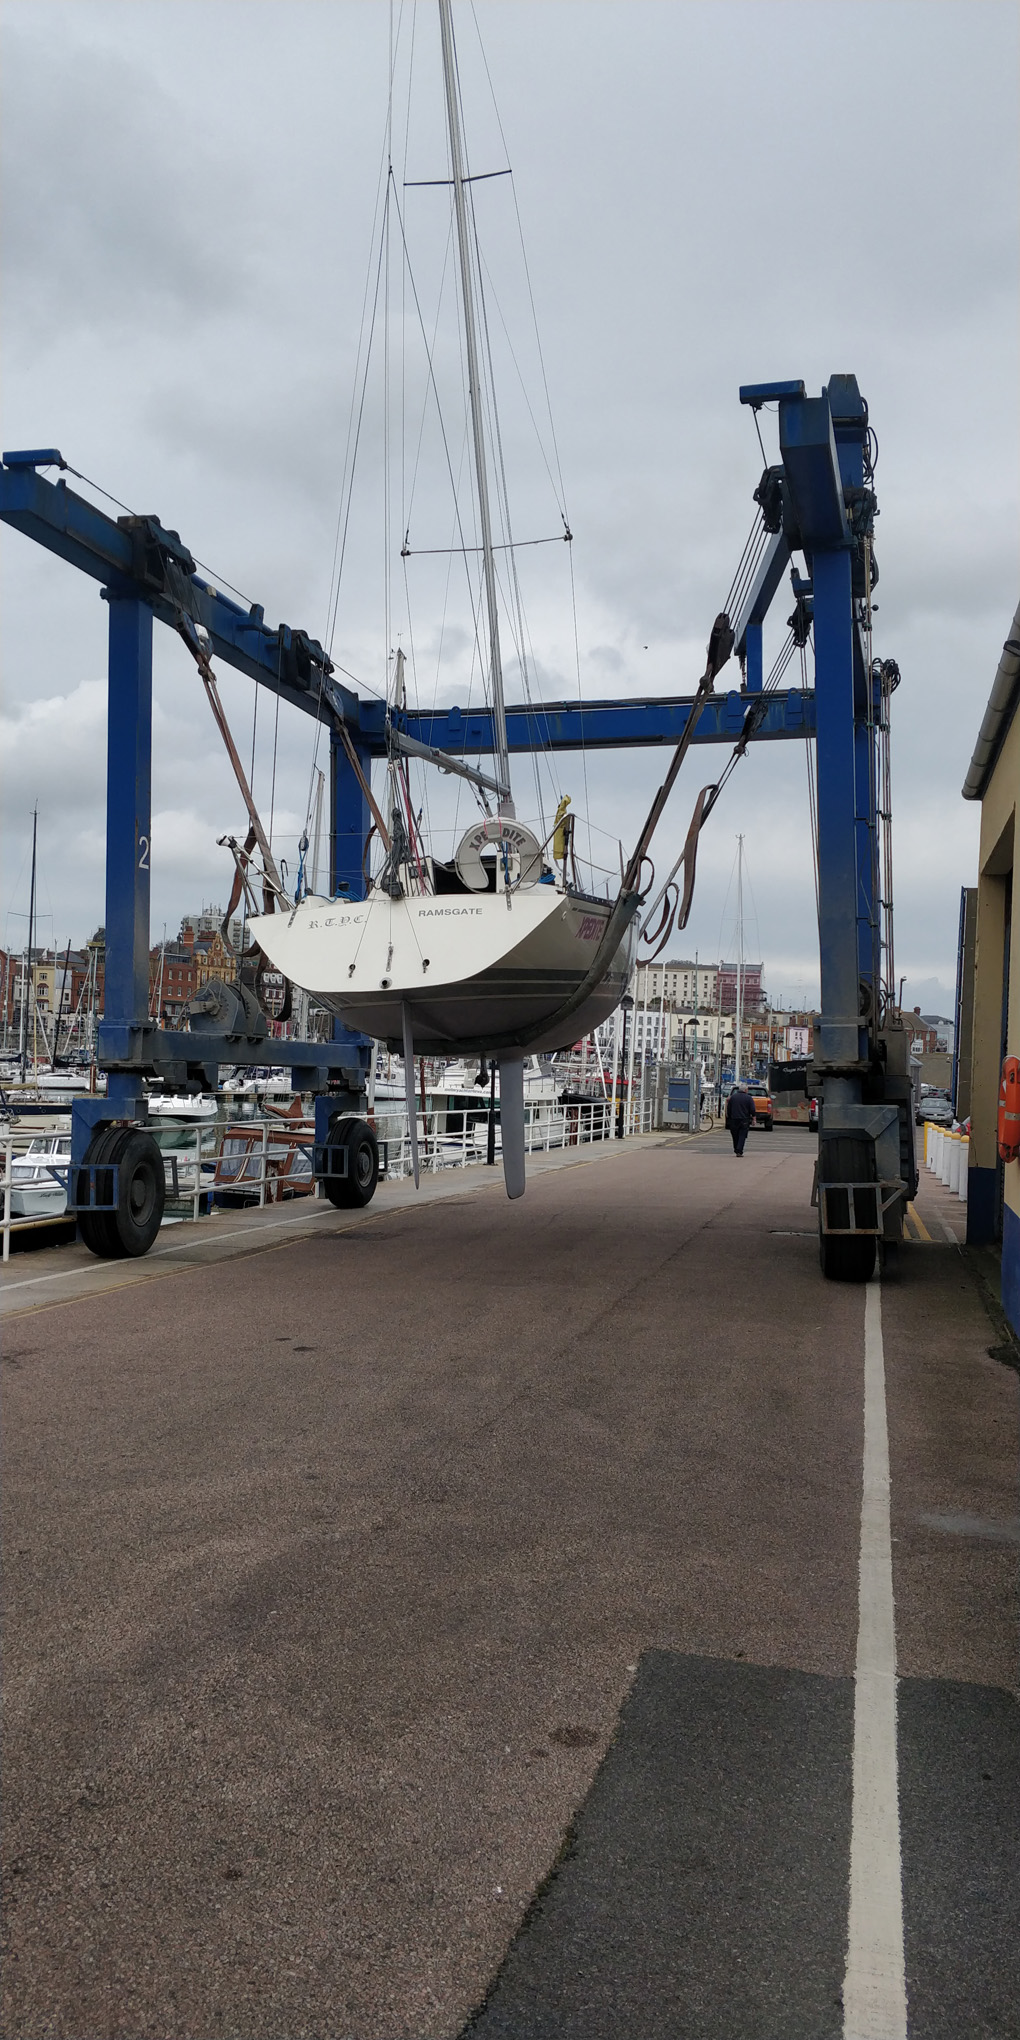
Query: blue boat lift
(817, 503)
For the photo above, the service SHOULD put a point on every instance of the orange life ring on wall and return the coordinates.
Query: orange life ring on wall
(1009, 1110)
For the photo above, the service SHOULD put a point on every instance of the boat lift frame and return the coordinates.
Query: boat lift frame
(145, 572)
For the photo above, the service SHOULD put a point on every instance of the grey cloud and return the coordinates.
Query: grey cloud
(105, 180)
(706, 200)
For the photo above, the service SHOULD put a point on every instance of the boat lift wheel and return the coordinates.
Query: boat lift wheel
(134, 1197)
(357, 1188)
(847, 1257)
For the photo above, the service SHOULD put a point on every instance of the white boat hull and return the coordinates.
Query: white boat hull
(473, 971)
(38, 1200)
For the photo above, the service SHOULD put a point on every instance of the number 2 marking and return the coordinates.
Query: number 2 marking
(143, 860)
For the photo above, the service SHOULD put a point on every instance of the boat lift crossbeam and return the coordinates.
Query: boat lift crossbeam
(146, 572)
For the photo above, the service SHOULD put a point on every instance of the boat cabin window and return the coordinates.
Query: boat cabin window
(447, 879)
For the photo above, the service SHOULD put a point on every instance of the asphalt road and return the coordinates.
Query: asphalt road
(447, 1622)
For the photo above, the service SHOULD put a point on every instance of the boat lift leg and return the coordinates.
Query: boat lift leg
(128, 859)
(128, 829)
(348, 848)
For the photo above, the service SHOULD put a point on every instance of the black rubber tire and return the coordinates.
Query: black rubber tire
(357, 1188)
(96, 1227)
(847, 1257)
(128, 1231)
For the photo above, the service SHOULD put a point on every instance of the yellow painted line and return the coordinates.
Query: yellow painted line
(922, 1230)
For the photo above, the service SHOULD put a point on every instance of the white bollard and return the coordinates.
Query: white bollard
(954, 1165)
(947, 1150)
(935, 1158)
(964, 1165)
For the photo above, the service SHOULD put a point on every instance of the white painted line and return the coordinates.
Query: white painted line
(874, 1989)
(159, 1253)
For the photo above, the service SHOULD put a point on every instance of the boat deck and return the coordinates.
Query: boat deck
(444, 1618)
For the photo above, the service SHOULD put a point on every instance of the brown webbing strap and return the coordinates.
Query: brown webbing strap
(355, 763)
(240, 864)
(720, 645)
(690, 853)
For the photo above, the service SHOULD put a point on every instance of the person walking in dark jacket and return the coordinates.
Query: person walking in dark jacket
(739, 1116)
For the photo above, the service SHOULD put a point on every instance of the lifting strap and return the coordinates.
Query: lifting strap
(720, 645)
(256, 954)
(678, 910)
(355, 764)
(200, 653)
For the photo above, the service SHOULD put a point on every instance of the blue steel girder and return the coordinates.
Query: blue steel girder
(594, 725)
(144, 568)
(108, 550)
(104, 548)
(822, 444)
(136, 1048)
(128, 825)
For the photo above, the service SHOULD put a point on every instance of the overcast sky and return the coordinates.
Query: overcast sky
(709, 193)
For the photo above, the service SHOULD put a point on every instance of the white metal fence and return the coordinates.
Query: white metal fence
(262, 1160)
(46, 1171)
(459, 1139)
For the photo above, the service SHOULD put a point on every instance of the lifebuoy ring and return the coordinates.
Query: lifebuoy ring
(1009, 1110)
(514, 843)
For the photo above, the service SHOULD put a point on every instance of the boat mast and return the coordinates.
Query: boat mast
(29, 989)
(740, 957)
(23, 980)
(506, 806)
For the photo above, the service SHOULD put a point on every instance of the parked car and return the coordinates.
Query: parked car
(936, 1107)
(763, 1113)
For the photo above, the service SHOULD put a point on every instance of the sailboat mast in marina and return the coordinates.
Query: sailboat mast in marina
(737, 1060)
(502, 750)
(497, 950)
(28, 981)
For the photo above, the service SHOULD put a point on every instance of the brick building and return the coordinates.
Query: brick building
(752, 989)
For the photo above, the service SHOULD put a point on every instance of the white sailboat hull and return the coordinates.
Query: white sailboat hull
(473, 971)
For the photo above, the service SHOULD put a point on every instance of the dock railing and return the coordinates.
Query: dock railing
(458, 1139)
(259, 1161)
(15, 1147)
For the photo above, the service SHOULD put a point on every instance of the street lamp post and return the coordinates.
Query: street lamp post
(729, 1036)
(626, 1005)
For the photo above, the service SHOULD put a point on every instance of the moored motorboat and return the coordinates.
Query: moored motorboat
(39, 1177)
